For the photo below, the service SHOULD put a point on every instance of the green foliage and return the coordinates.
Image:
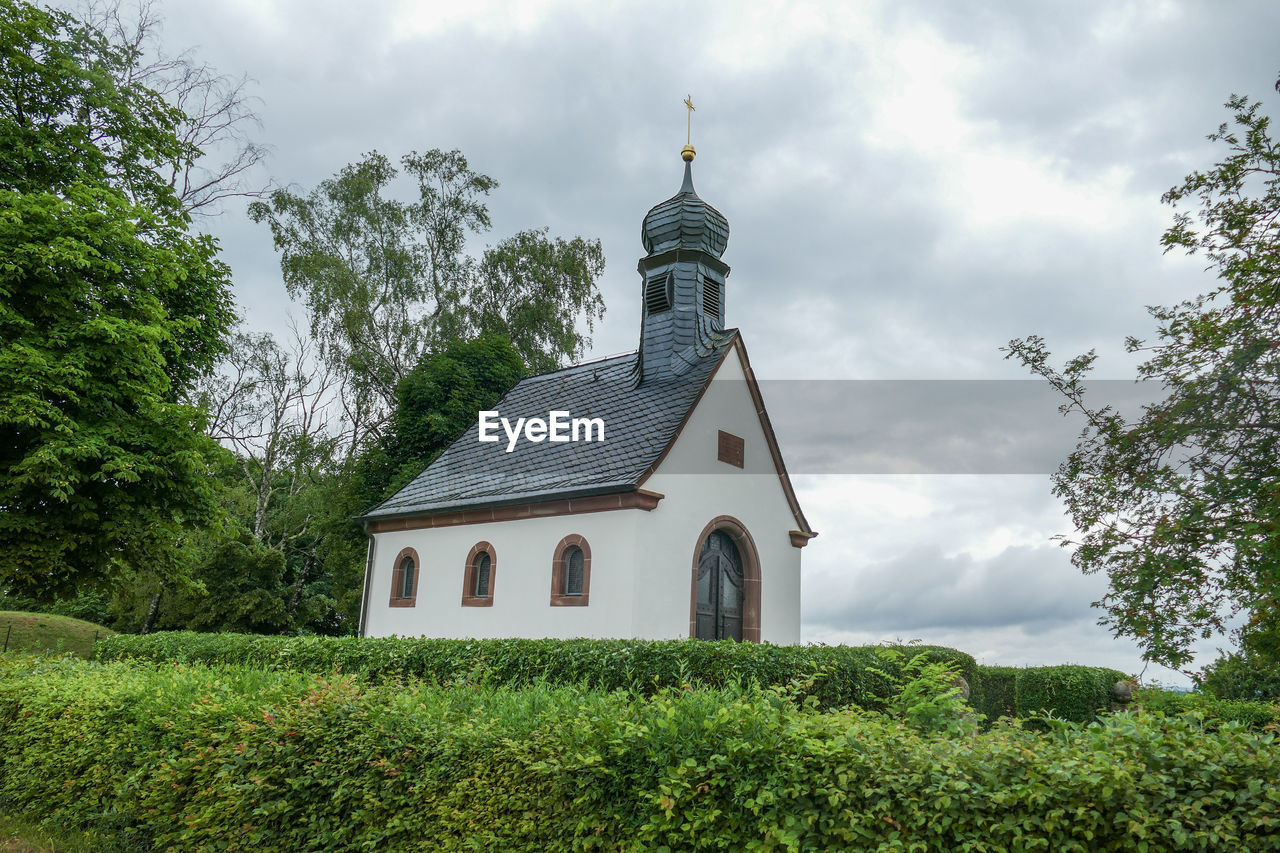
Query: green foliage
(1247, 675)
(1075, 693)
(89, 605)
(1214, 711)
(386, 281)
(842, 674)
(48, 632)
(23, 836)
(101, 468)
(435, 403)
(1181, 506)
(108, 310)
(995, 693)
(243, 590)
(191, 758)
(63, 119)
(532, 290)
(926, 692)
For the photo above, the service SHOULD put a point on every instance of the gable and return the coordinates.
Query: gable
(727, 431)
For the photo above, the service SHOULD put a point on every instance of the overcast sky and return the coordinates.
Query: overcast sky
(908, 185)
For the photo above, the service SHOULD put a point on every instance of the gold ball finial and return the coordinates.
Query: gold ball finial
(687, 153)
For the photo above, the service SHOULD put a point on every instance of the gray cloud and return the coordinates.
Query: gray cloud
(846, 264)
(1034, 588)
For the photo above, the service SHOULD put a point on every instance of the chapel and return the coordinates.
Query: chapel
(674, 518)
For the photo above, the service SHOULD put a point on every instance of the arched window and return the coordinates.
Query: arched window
(479, 576)
(571, 573)
(573, 561)
(404, 579)
(482, 575)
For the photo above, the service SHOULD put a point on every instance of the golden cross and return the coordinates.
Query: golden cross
(688, 102)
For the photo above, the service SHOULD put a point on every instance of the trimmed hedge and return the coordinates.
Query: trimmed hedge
(193, 758)
(1073, 693)
(995, 693)
(842, 675)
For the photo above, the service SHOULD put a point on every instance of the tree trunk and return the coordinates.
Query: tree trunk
(152, 610)
(298, 582)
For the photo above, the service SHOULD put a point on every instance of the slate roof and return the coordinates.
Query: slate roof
(639, 424)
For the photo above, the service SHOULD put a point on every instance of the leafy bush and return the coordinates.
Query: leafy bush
(1258, 715)
(926, 693)
(995, 691)
(841, 675)
(1073, 693)
(194, 758)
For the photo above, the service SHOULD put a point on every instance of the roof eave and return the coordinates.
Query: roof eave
(540, 497)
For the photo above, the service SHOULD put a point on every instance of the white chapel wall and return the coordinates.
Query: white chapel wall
(521, 606)
(698, 488)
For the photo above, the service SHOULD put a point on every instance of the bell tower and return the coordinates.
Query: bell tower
(682, 281)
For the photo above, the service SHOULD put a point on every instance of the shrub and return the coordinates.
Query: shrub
(193, 758)
(995, 691)
(1257, 715)
(1073, 693)
(841, 675)
(926, 693)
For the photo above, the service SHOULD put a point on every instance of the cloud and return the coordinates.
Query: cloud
(1034, 588)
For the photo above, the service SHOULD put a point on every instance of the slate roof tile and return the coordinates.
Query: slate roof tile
(639, 424)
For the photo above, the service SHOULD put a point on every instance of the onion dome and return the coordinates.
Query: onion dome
(685, 221)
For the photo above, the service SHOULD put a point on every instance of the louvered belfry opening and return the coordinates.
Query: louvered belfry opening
(682, 284)
(711, 298)
(658, 293)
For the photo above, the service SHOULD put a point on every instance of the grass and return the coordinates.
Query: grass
(20, 836)
(39, 632)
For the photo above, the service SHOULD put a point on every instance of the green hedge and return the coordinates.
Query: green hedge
(994, 691)
(843, 673)
(1258, 715)
(198, 759)
(1073, 693)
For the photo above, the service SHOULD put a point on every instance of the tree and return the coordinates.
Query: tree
(439, 400)
(385, 281)
(243, 591)
(109, 311)
(271, 405)
(1180, 506)
(214, 111)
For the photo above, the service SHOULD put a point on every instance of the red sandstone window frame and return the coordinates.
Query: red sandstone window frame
(397, 579)
(469, 598)
(559, 566)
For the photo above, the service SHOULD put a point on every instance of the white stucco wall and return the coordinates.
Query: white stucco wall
(641, 561)
(521, 605)
(699, 488)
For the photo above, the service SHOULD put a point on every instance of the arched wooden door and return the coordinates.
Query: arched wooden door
(720, 589)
